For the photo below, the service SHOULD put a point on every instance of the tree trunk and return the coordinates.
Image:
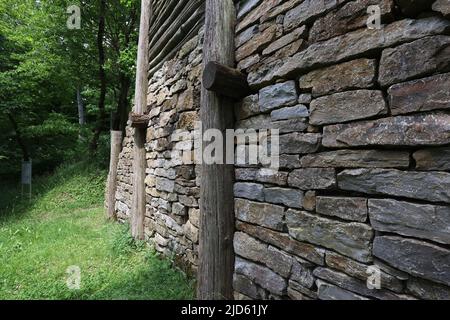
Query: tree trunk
(121, 114)
(102, 77)
(139, 163)
(19, 138)
(216, 254)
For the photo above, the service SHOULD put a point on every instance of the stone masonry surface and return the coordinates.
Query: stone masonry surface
(364, 179)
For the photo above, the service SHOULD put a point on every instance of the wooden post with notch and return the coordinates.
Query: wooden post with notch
(139, 165)
(216, 254)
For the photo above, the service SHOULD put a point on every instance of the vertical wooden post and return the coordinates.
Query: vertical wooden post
(217, 201)
(116, 146)
(138, 208)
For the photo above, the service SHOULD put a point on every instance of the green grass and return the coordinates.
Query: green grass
(63, 226)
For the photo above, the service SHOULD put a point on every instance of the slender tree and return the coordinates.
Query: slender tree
(102, 116)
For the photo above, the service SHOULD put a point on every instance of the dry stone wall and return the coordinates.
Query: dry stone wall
(363, 187)
(364, 119)
(172, 186)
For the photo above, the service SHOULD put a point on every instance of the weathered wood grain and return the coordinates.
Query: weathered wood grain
(217, 217)
(225, 81)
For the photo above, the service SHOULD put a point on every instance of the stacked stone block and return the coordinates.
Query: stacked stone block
(125, 178)
(365, 150)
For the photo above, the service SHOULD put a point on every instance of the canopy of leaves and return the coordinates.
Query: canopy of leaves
(42, 65)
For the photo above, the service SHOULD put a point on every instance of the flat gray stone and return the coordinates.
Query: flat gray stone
(278, 95)
(351, 209)
(329, 292)
(289, 197)
(312, 178)
(252, 191)
(262, 276)
(350, 239)
(264, 122)
(278, 261)
(262, 175)
(415, 257)
(299, 111)
(284, 241)
(431, 186)
(359, 271)
(246, 6)
(285, 40)
(178, 209)
(166, 185)
(302, 275)
(306, 11)
(252, 249)
(347, 106)
(357, 159)
(420, 95)
(346, 282)
(266, 215)
(427, 290)
(258, 122)
(289, 126)
(289, 161)
(249, 248)
(442, 6)
(415, 130)
(409, 219)
(425, 56)
(246, 35)
(348, 75)
(299, 143)
(351, 16)
(433, 159)
(245, 286)
(304, 98)
(297, 292)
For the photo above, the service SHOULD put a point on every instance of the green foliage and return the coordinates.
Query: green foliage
(43, 64)
(64, 226)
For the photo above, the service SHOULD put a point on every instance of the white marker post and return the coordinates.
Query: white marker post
(26, 176)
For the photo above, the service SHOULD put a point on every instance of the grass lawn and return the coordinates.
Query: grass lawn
(64, 226)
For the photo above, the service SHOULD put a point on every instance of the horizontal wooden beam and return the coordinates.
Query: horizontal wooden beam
(139, 120)
(225, 81)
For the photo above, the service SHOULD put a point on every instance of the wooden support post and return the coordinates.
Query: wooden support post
(225, 81)
(116, 146)
(139, 199)
(216, 254)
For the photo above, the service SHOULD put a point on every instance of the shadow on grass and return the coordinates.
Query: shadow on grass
(64, 225)
(14, 206)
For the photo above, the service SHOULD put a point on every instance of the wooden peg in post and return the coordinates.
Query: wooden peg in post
(226, 81)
